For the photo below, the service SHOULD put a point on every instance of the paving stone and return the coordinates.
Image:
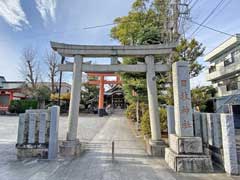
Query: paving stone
(131, 162)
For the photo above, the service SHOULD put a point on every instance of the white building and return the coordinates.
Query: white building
(224, 73)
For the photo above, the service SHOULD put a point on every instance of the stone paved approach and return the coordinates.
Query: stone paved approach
(131, 161)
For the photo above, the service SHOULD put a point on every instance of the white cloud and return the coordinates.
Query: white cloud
(13, 14)
(46, 9)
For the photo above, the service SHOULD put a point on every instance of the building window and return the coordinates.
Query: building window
(229, 59)
(232, 84)
(212, 69)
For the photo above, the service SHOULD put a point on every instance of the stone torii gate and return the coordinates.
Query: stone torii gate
(101, 82)
(72, 145)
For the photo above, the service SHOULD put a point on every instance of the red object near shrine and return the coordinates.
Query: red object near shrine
(101, 82)
(9, 90)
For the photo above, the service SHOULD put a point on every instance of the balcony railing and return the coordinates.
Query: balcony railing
(223, 71)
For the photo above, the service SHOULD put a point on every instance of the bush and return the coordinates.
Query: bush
(144, 117)
(145, 124)
(19, 106)
(131, 112)
(163, 118)
(143, 107)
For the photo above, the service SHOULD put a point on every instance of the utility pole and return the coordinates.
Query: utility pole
(60, 83)
(177, 9)
(175, 33)
(172, 27)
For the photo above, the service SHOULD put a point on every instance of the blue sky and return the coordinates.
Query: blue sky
(33, 23)
(226, 18)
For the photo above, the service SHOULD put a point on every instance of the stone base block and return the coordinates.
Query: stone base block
(23, 153)
(188, 163)
(185, 145)
(71, 148)
(155, 148)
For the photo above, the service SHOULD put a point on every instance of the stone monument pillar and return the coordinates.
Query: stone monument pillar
(71, 146)
(156, 145)
(185, 153)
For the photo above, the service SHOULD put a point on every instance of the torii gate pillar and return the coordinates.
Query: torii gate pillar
(152, 99)
(156, 145)
(101, 109)
(71, 146)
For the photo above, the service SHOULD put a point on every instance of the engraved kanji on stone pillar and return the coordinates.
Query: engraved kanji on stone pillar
(182, 99)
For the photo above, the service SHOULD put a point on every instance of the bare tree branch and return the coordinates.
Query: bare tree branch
(29, 67)
(52, 62)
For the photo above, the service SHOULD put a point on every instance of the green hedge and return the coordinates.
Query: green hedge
(131, 112)
(144, 117)
(145, 122)
(163, 118)
(19, 106)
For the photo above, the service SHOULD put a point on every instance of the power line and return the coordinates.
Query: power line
(220, 10)
(211, 28)
(209, 15)
(99, 26)
(45, 35)
(202, 25)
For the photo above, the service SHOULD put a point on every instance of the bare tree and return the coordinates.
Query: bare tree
(52, 62)
(29, 67)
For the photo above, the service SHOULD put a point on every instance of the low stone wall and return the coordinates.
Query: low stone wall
(218, 135)
(217, 132)
(38, 134)
(208, 127)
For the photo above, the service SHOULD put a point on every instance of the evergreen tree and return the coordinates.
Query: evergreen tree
(146, 23)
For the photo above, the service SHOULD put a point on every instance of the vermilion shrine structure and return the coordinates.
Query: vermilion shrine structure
(10, 90)
(101, 82)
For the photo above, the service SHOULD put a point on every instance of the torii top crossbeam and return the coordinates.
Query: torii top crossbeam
(102, 76)
(69, 50)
